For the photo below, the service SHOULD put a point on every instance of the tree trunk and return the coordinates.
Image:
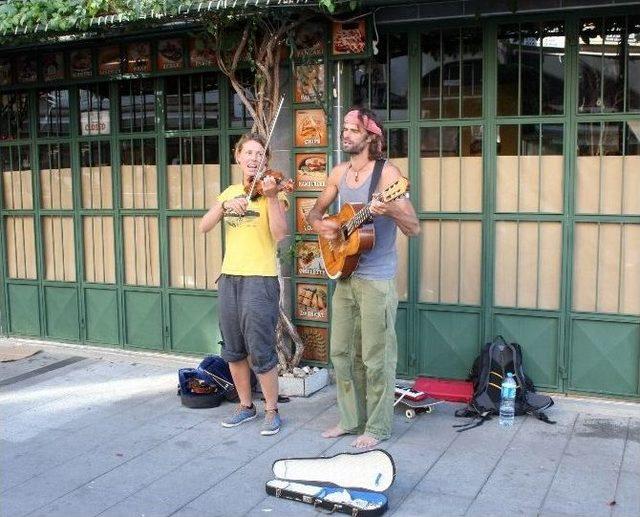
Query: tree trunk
(261, 40)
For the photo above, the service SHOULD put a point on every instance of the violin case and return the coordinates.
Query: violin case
(351, 483)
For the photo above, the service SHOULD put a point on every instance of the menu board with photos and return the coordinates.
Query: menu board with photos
(349, 38)
(109, 60)
(139, 57)
(311, 128)
(311, 302)
(309, 40)
(80, 63)
(310, 83)
(52, 66)
(26, 69)
(201, 53)
(311, 171)
(303, 205)
(308, 260)
(170, 54)
(316, 343)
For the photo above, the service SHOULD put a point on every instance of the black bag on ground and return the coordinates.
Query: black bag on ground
(496, 359)
(207, 385)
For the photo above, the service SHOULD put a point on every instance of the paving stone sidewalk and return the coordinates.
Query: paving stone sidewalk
(88, 431)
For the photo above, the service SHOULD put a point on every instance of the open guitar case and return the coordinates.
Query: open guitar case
(351, 483)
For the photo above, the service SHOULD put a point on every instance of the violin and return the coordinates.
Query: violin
(282, 183)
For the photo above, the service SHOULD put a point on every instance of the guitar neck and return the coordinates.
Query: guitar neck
(393, 191)
(358, 220)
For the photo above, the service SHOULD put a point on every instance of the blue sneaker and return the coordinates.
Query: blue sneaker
(271, 424)
(241, 415)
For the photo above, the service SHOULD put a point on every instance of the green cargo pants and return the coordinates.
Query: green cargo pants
(364, 353)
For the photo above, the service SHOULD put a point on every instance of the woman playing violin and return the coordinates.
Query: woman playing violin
(248, 289)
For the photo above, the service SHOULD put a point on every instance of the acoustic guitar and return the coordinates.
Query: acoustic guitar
(340, 256)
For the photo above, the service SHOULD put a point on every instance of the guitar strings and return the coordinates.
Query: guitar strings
(364, 214)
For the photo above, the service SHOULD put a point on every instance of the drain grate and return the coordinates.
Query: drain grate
(41, 370)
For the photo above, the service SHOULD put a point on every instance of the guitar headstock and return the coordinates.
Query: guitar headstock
(395, 190)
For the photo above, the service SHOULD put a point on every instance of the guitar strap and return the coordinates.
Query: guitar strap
(375, 177)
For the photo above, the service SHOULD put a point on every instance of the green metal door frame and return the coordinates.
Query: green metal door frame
(486, 317)
(222, 132)
(4, 321)
(493, 121)
(490, 121)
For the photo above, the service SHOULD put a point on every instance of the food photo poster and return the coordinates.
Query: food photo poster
(311, 171)
(311, 128)
(349, 38)
(310, 83)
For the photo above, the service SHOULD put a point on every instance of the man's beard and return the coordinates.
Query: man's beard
(355, 147)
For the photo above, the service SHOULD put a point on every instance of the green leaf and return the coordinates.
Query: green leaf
(328, 5)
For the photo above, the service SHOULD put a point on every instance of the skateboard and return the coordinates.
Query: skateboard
(415, 408)
(425, 393)
(416, 402)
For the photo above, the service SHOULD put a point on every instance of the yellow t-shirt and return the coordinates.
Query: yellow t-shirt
(250, 249)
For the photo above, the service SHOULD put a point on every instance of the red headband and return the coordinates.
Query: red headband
(353, 117)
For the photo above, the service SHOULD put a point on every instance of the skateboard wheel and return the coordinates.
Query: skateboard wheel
(427, 410)
(410, 413)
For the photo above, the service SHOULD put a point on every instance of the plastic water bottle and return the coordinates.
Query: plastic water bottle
(508, 401)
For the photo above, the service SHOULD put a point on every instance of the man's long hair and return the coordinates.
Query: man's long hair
(378, 144)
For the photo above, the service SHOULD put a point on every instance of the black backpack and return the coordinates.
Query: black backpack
(489, 369)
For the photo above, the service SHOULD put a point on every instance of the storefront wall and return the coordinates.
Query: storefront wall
(521, 140)
(103, 185)
(520, 137)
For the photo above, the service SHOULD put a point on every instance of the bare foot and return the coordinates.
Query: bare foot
(364, 440)
(334, 432)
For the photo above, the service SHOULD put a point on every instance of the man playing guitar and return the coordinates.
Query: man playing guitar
(363, 339)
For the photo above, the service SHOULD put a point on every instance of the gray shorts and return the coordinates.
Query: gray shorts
(248, 311)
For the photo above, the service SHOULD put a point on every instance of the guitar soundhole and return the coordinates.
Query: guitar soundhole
(336, 244)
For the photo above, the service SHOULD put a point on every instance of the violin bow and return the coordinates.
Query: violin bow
(260, 170)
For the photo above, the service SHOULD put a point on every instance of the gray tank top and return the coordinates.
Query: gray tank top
(380, 262)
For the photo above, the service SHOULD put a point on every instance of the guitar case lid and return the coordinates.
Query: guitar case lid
(348, 483)
(370, 470)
